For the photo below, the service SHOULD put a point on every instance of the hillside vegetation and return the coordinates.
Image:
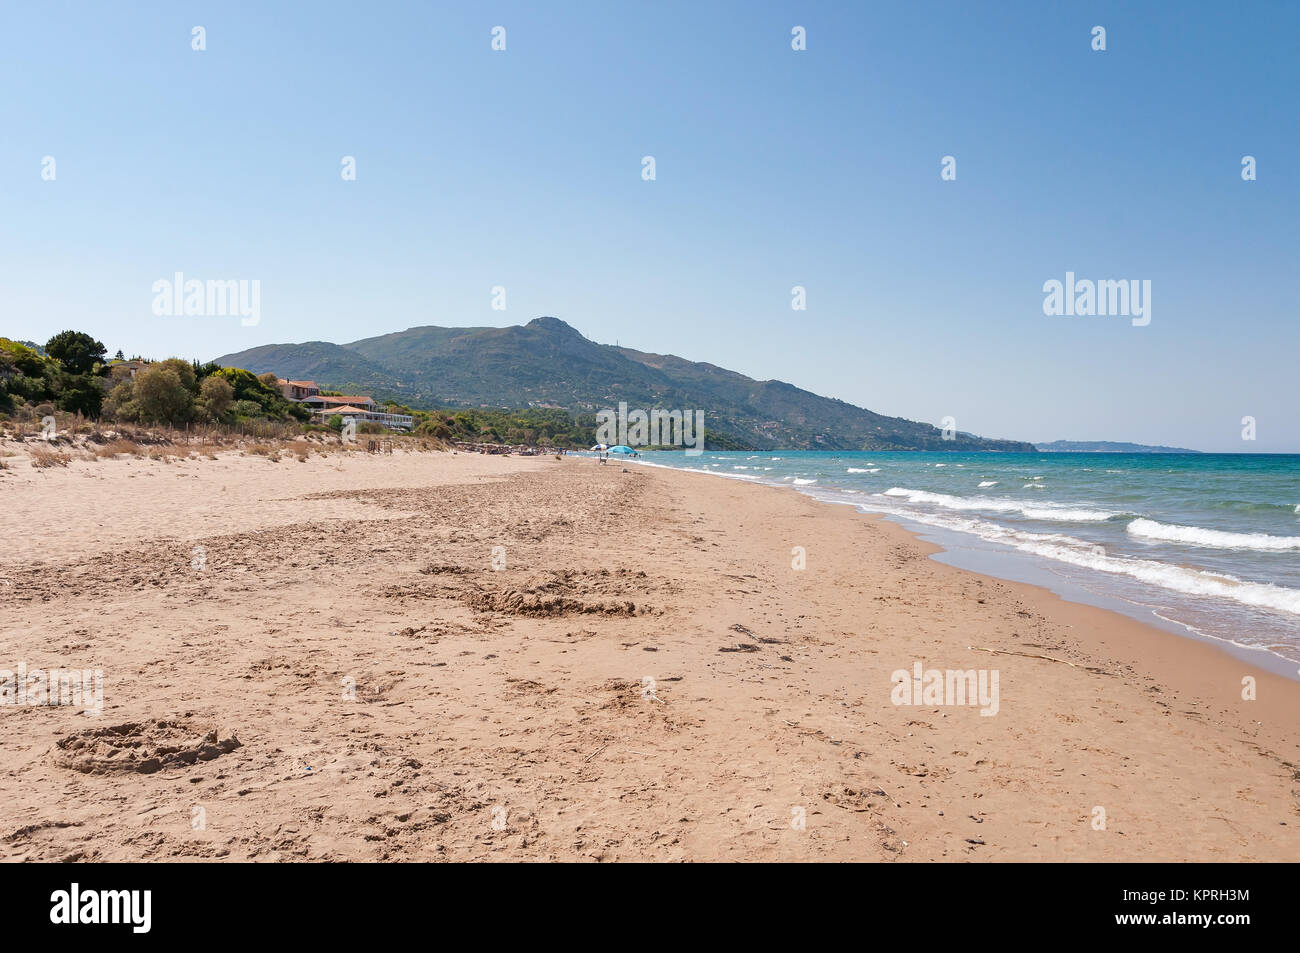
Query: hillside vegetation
(546, 364)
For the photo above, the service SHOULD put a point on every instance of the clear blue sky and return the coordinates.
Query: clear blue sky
(775, 168)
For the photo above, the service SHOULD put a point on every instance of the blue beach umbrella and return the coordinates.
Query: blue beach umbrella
(622, 449)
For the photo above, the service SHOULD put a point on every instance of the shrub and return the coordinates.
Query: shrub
(217, 395)
(43, 458)
(162, 396)
(114, 447)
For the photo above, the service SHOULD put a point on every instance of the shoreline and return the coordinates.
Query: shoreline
(525, 689)
(959, 551)
(1228, 652)
(1239, 653)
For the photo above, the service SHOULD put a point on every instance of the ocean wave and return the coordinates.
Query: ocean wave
(987, 483)
(1218, 539)
(1252, 506)
(798, 481)
(1077, 552)
(863, 470)
(1066, 514)
(1064, 548)
(1196, 582)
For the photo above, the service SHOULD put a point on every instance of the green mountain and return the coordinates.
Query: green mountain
(546, 363)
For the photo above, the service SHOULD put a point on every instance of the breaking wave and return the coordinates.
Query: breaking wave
(1219, 539)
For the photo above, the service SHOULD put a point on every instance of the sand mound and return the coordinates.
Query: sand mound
(139, 748)
(557, 593)
(532, 602)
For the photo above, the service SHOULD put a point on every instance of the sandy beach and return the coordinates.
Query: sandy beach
(436, 656)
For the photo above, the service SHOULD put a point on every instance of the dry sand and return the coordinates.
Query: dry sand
(504, 715)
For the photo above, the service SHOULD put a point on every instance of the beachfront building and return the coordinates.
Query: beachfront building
(298, 390)
(122, 370)
(358, 408)
(391, 421)
(325, 401)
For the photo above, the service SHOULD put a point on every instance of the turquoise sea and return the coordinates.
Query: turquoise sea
(1208, 544)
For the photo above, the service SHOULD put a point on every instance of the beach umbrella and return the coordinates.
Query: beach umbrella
(601, 446)
(622, 449)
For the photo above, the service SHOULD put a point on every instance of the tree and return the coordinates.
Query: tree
(25, 376)
(80, 394)
(76, 351)
(161, 395)
(266, 398)
(120, 403)
(217, 395)
(184, 370)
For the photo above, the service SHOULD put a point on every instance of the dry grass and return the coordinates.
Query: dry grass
(114, 447)
(95, 442)
(43, 458)
(271, 453)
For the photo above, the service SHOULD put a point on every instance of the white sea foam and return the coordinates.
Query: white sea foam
(947, 514)
(800, 482)
(1219, 539)
(987, 483)
(864, 470)
(991, 504)
(1178, 578)
(1077, 552)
